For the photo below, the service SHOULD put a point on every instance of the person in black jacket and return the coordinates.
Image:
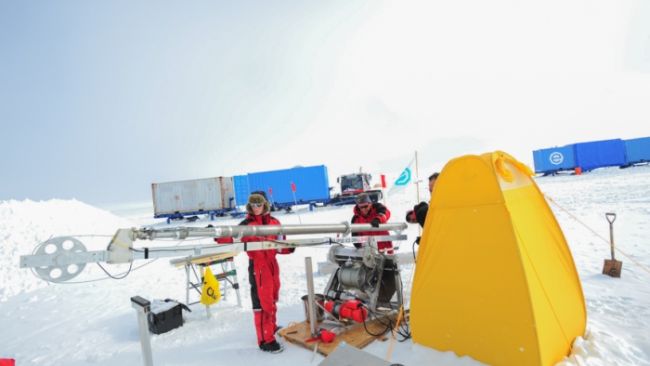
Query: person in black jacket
(419, 212)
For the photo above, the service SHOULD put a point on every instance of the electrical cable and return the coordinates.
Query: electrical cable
(115, 277)
(413, 249)
(405, 324)
(100, 279)
(377, 318)
(365, 326)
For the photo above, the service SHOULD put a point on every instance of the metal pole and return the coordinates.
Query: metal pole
(417, 187)
(417, 178)
(142, 307)
(188, 284)
(236, 284)
(310, 296)
(259, 230)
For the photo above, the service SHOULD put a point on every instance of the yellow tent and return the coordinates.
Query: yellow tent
(494, 278)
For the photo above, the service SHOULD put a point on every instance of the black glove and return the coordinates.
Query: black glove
(374, 222)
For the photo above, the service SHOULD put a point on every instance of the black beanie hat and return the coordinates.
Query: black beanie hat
(363, 198)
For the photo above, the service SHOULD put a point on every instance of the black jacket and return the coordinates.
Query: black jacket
(420, 210)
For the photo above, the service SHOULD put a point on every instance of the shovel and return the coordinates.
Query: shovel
(612, 267)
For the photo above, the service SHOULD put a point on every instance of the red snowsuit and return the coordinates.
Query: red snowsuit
(264, 278)
(380, 212)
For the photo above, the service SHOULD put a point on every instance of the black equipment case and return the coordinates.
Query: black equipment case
(165, 315)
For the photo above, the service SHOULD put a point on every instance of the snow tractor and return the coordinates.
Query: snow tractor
(351, 186)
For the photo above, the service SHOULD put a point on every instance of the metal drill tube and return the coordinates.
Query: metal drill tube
(261, 230)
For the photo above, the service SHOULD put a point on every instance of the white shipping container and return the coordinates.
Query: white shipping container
(193, 196)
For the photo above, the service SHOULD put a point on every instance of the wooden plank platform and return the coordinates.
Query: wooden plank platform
(356, 335)
(202, 259)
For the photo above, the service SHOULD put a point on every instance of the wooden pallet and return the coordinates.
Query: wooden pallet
(356, 335)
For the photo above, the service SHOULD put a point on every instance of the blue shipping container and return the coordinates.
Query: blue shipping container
(242, 191)
(637, 150)
(311, 185)
(597, 154)
(554, 159)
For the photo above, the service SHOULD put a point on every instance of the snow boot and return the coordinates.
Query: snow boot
(272, 347)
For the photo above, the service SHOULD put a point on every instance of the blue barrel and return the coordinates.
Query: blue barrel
(637, 150)
(554, 159)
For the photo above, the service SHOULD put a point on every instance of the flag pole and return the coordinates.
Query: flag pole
(417, 186)
(417, 179)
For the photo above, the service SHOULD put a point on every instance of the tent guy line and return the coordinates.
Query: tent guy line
(597, 235)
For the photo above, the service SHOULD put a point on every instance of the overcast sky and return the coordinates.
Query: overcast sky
(98, 99)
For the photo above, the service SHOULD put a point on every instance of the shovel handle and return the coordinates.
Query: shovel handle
(611, 217)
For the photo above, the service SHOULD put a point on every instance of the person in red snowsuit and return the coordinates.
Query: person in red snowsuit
(264, 274)
(367, 212)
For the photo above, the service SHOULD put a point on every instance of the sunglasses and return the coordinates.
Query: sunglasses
(257, 205)
(363, 207)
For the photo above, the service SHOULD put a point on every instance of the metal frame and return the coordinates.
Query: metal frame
(121, 250)
(221, 276)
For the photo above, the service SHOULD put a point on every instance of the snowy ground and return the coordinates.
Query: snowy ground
(93, 322)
